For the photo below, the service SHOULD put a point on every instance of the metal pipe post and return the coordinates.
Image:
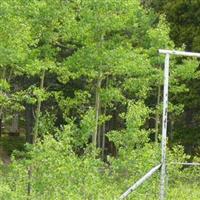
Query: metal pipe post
(164, 127)
(139, 182)
(179, 53)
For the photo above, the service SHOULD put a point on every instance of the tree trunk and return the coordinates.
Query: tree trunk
(171, 128)
(29, 123)
(99, 129)
(35, 130)
(29, 173)
(104, 127)
(1, 123)
(14, 129)
(38, 109)
(97, 107)
(0, 126)
(103, 137)
(1, 107)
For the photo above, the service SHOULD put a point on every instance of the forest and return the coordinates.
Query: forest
(81, 98)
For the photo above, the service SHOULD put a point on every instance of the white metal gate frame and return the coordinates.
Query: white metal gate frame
(164, 129)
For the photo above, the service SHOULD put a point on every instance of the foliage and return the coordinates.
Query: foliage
(82, 72)
(9, 144)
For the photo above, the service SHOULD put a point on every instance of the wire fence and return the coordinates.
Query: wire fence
(146, 187)
(182, 183)
(183, 179)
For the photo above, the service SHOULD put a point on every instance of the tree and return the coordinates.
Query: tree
(183, 17)
(15, 36)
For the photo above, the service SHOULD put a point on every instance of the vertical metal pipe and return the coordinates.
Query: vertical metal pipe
(164, 127)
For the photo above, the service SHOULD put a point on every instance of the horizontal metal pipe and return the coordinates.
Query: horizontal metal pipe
(189, 164)
(139, 182)
(181, 53)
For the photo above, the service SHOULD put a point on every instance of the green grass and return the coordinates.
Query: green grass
(184, 191)
(183, 186)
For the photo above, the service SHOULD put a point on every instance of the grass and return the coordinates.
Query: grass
(182, 186)
(184, 191)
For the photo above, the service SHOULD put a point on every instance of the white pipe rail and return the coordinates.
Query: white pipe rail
(165, 110)
(186, 164)
(139, 182)
(180, 53)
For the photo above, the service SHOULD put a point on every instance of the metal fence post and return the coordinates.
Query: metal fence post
(140, 182)
(164, 127)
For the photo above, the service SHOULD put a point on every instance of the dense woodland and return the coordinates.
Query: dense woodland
(81, 98)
